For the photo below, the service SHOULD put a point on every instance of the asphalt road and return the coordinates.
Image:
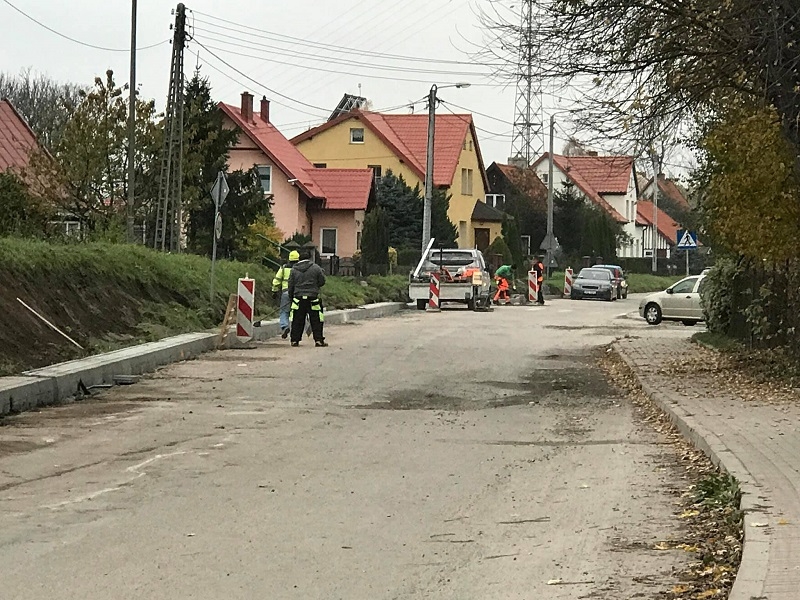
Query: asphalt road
(456, 455)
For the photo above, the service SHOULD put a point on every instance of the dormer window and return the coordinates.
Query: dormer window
(356, 135)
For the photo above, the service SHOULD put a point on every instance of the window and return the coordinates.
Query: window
(377, 172)
(356, 135)
(320, 165)
(329, 239)
(497, 201)
(466, 182)
(358, 240)
(265, 177)
(525, 240)
(684, 287)
(545, 177)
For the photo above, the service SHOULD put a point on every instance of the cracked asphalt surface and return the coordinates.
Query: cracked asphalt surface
(457, 455)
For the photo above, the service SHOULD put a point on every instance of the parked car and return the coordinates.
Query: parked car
(679, 302)
(620, 283)
(593, 283)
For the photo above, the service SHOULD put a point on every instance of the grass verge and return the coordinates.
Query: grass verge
(638, 283)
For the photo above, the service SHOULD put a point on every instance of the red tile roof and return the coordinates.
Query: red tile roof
(16, 138)
(667, 226)
(345, 189)
(279, 150)
(407, 137)
(669, 188)
(341, 189)
(597, 175)
(525, 180)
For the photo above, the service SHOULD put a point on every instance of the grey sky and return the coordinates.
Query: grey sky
(416, 28)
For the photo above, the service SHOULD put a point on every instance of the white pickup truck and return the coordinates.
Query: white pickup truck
(463, 275)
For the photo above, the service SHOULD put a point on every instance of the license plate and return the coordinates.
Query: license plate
(589, 292)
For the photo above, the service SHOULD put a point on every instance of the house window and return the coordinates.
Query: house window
(265, 177)
(356, 135)
(377, 172)
(320, 165)
(525, 240)
(497, 201)
(329, 239)
(466, 182)
(470, 144)
(358, 240)
(545, 177)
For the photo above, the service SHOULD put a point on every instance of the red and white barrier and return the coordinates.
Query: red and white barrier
(568, 279)
(245, 308)
(434, 302)
(533, 286)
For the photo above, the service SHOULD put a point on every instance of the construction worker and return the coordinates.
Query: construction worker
(280, 290)
(538, 266)
(502, 277)
(305, 282)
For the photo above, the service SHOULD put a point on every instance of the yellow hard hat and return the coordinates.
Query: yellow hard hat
(294, 256)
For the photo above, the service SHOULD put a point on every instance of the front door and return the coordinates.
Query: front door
(481, 238)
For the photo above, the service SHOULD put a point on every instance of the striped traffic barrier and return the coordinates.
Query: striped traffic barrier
(568, 279)
(245, 308)
(533, 286)
(434, 302)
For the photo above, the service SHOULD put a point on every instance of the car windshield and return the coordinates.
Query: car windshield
(449, 259)
(594, 274)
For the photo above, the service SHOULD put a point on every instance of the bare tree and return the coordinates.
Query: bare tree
(647, 67)
(46, 104)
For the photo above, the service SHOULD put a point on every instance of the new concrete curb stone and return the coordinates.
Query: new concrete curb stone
(61, 382)
(750, 579)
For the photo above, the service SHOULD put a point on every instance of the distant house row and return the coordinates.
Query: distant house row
(322, 182)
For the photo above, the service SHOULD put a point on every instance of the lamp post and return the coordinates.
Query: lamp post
(426, 210)
(129, 213)
(550, 243)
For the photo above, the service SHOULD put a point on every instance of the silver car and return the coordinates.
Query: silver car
(679, 302)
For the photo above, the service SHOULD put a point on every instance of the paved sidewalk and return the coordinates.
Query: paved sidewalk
(757, 441)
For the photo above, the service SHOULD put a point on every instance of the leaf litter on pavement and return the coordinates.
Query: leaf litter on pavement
(707, 512)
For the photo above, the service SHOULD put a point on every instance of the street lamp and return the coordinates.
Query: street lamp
(550, 243)
(426, 211)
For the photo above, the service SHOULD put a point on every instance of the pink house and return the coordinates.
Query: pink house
(327, 204)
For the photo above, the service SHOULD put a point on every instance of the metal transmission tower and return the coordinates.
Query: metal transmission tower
(528, 140)
(169, 217)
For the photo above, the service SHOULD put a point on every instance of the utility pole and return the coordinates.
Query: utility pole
(426, 210)
(169, 216)
(129, 214)
(550, 238)
(656, 171)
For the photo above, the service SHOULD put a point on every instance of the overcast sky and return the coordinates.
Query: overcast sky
(304, 87)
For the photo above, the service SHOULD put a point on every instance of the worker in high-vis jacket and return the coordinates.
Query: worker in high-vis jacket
(280, 290)
(305, 281)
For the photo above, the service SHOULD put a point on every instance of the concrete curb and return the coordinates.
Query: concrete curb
(62, 382)
(752, 574)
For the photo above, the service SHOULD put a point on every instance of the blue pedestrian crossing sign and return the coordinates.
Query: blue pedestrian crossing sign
(687, 240)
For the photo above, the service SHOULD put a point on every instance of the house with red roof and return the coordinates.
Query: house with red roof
(666, 226)
(519, 192)
(398, 143)
(609, 182)
(327, 204)
(671, 195)
(17, 139)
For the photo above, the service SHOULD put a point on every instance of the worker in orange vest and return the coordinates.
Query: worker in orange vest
(538, 266)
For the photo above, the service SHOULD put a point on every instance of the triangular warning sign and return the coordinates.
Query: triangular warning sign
(687, 241)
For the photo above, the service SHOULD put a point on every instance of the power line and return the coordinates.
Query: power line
(76, 41)
(224, 39)
(266, 34)
(258, 83)
(468, 121)
(321, 69)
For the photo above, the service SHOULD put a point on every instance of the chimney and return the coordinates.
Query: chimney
(265, 109)
(247, 107)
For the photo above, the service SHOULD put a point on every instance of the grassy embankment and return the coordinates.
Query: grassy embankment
(113, 295)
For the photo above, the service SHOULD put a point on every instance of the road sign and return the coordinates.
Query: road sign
(218, 226)
(687, 240)
(220, 190)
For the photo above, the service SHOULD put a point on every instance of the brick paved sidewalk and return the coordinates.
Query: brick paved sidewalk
(758, 442)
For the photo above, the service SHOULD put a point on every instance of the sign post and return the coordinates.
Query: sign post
(218, 193)
(687, 240)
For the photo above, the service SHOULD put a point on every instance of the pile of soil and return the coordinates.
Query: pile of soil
(87, 311)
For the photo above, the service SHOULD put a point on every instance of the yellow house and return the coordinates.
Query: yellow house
(398, 143)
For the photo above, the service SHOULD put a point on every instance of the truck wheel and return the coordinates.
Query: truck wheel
(421, 304)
